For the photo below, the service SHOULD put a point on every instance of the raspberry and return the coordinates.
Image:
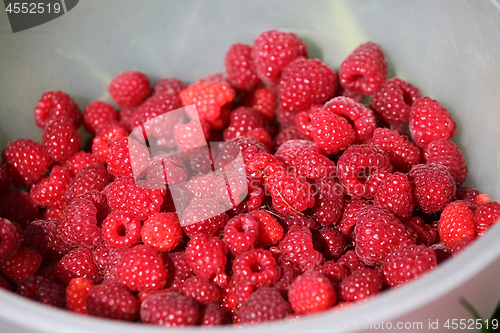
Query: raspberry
(395, 195)
(242, 121)
(44, 237)
(393, 100)
(51, 213)
(78, 161)
(208, 98)
(96, 114)
(430, 121)
(303, 120)
(402, 153)
(256, 267)
(240, 67)
(289, 152)
(201, 290)
(364, 69)
(456, 221)
(214, 77)
(349, 218)
(141, 268)
(61, 139)
(202, 186)
(362, 118)
(23, 263)
(361, 284)
(5, 180)
(93, 177)
(51, 191)
(434, 187)
(170, 85)
(170, 309)
(288, 273)
(290, 194)
(120, 163)
(76, 295)
(240, 233)
(351, 261)
(10, 238)
(299, 220)
(461, 245)
(262, 100)
(273, 50)
(334, 271)
(162, 231)
(263, 305)
(203, 217)
(467, 193)
(42, 290)
(333, 242)
(304, 82)
(123, 194)
(287, 134)
(153, 107)
(446, 153)
(207, 257)
(379, 233)
(77, 263)
(487, 215)
(424, 233)
(26, 161)
(101, 144)
(53, 105)
(311, 292)
(260, 134)
(362, 169)
(314, 166)
(129, 89)
(329, 201)
(270, 231)
(234, 295)
(17, 206)
(331, 133)
(178, 269)
(114, 301)
(408, 263)
(213, 315)
(121, 229)
(298, 246)
(248, 147)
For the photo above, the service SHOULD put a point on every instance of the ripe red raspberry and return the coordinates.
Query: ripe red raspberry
(329, 201)
(77, 263)
(129, 89)
(10, 238)
(303, 120)
(434, 187)
(51, 213)
(121, 163)
(402, 153)
(203, 217)
(408, 263)
(213, 315)
(260, 134)
(51, 191)
(314, 166)
(124, 116)
(153, 107)
(349, 218)
(351, 261)
(486, 215)
(106, 134)
(456, 221)
(364, 69)
(289, 194)
(26, 161)
(234, 295)
(287, 134)
(467, 193)
(93, 177)
(178, 269)
(170, 309)
(446, 153)
(42, 290)
(78, 161)
(361, 284)
(201, 290)
(208, 98)
(76, 295)
(17, 206)
(44, 237)
(395, 194)
(361, 169)
(53, 105)
(270, 231)
(125, 195)
(299, 220)
(263, 305)
(430, 121)
(141, 268)
(23, 263)
(379, 233)
(298, 246)
(240, 67)
(214, 77)
(332, 241)
(242, 120)
(108, 260)
(202, 186)
(61, 140)
(240, 233)
(273, 50)
(112, 300)
(289, 152)
(332, 133)
(334, 271)
(171, 85)
(361, 117)
(311, 292)
(207, 256)
(424, 233)
(304, 82)
(263, 101)
(248, 147)
(191, 136)
(96, 114)
(256, 267)
(393, 100)
(5, 179)
(121, 229)
(162, 231)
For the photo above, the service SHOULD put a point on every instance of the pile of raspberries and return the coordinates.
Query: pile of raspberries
(352, 186)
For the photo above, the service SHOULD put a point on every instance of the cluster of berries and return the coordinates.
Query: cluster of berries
(340, 199)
